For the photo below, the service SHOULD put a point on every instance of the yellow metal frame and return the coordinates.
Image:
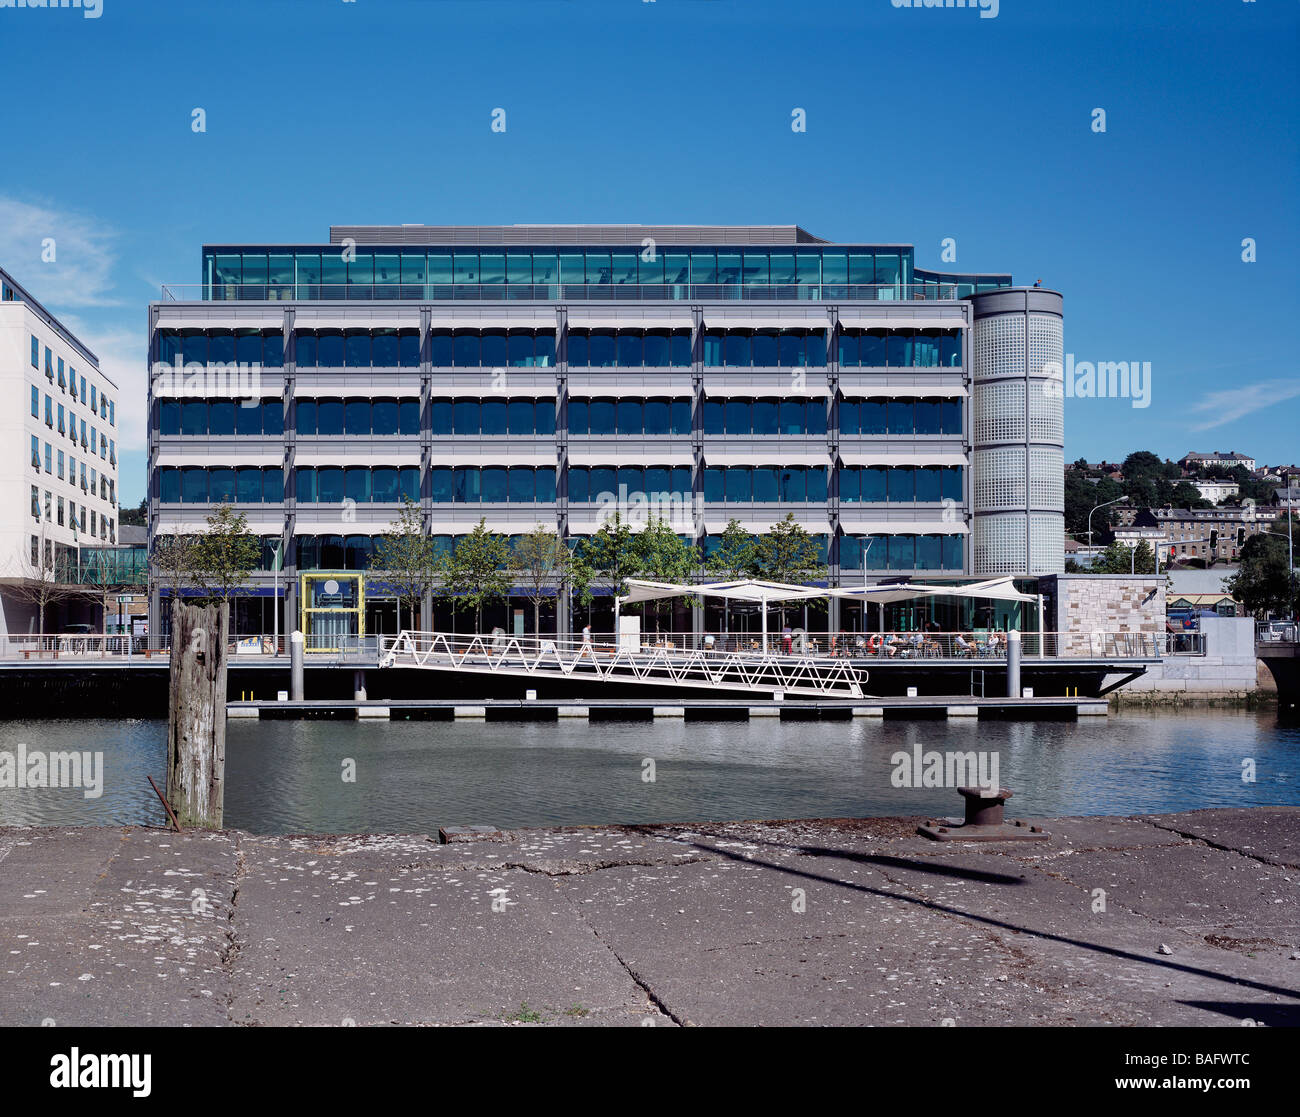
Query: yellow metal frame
(306, 610)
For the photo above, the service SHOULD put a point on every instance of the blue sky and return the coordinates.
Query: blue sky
(922, 124)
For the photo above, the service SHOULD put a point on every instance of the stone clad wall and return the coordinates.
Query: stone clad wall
(1095, 612)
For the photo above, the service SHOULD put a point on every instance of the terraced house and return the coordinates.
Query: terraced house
(908, 419)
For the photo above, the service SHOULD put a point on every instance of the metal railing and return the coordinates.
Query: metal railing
(1184, 643)
(625, 662)
(1271, 632)
(559, 292)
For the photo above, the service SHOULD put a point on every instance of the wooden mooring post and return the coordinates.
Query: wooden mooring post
(196, 720)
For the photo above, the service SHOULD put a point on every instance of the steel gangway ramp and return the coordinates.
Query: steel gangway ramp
(611, 662)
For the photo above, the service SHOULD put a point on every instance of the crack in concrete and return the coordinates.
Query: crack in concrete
(233, 946)
(1200, 839)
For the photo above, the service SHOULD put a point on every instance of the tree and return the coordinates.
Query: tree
(175, 558)
(475, 573)
(736, 555)
(225, 554)
(664, 557)
(139, 517)
(1263, 584)
(1187, 495)
(789, 554)
(407, 560)
(610, 556)
(539, 562)
(1120, 559)
(1082, 496)
(45, 578)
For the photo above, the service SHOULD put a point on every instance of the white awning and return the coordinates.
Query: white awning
(541, 318)
(898, 527)
(866, 386)
(752, 318)
(483, 387)
(343, 456)
(232, 458)
(609, 318)
(874, 320)
(908, 457)
(311, 386)
(997, 589)
(715, 523)
(508, 453)
(639, 454)
(584, 387)
(774, 456)
(353, 318)
(224, 319)
(748, 590)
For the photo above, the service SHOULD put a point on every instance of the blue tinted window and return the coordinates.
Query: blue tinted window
(713, 348)
(440, 484)
(627, 416)
(928, 416)
(384, 349)
(272, 416)
(356, 484)
(602, 482)
(305, 416)
(950, 350)
(249, 485)
(874, 351)
(577, 481)
(764, 416)
(493, 482)
(248, 419)
(766, 349)
(356, 416)
(194, 417)
(578, 348)
(273, 349)
(902, 416)
(950, 422)
(494, 350)
(304, 484)
(630, 347)
(714, 416)
(221, 486)
(737, 352)
(329, 485)
(465, 348)
(951, 552)
(681, 480)
(169, 416)
(441, 349)
(545, 482)
(601, 349)
(874, 487)
(656, 349)
(950, 483)
(738, 416)
(221, 417)
(929, 552)
(194, 484)
(383, 417)
(850, 485)
(765, 483)
(901, 483)
(356, 352)
(520, 348)
(544, 350)
(849, 349)
(714, 485)
(902, 552)
(739, 485)
(383, 484)
(465, 416)
(221, 346)
(248, 347)
(578, 416)
(329, 348)
(492, 416)
(816, 478)
(408, 482)
(520, 416)
(465, 485)
(304, 350)
(272, 485)
(441, 415)
(600, 416)
(656, 416)
(680, 411)
(927, 484)
(520, 488)
(544, 416)
(408, 416)
(680, 349)
(169, 485)
(408, 349)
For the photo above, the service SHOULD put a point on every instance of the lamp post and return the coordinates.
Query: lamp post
(1290, 552)
(1117, 500)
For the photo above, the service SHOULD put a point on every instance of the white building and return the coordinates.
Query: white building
(1216, 491)
(58, 451)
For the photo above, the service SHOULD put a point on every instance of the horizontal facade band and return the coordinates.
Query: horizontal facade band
(487, 386)
(311, 385)
(679, 387)
(866, 386)
(639, 454)
(521, 318)
(776, 456)
(867, 320)
(226, 457)
(851, 526)
(628, 319)
(307, 317)
(910, 457)
(747, 318)
(508, 453)
(345, 457)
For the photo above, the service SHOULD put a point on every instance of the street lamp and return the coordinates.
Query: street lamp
(1117, 500)
(1290, 552)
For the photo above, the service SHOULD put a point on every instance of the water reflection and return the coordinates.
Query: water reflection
(287, 777)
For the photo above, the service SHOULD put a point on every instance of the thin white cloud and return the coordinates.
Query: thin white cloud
(84, 254)
(1235, 403)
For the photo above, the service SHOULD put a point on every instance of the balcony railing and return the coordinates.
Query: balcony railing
(562, 292)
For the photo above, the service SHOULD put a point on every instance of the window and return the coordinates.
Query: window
(36, 402)
(49, 412)
(60, 461)
(36, 352)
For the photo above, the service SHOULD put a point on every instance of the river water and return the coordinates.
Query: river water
(290, 776)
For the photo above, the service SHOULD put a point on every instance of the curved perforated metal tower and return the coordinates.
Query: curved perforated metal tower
(1017, 433)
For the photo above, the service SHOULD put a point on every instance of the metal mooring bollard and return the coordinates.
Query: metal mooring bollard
(984, 821)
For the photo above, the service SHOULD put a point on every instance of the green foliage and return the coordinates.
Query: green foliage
(1263, 584)
(1081, 496)
(787, 553)
(476, 573)
(736, 556)
(226, 554)
(406, 559)
(1120, 559)
(539, 562)
(609, 557)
